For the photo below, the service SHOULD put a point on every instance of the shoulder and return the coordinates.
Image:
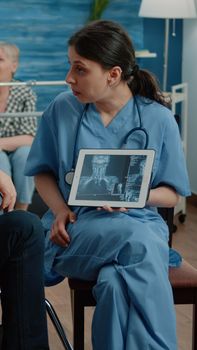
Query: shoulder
(22, 91)
(69, 100)
(65, 105)
(151, 106)
(156, 113)
(63, 112)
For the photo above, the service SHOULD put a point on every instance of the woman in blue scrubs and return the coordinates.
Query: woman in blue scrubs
(126, 251)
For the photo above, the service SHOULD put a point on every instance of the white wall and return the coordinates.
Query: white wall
(189, 74)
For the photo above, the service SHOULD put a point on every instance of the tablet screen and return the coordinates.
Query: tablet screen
(118, 178)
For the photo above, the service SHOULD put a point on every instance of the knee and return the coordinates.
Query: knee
(132, 252)
(31, 222)
(3, 155)
(22, 236)
(5, 163)
(21, 154)
(148, 255)
(27, 225)
(108, 283)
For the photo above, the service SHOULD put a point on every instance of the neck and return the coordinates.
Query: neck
(4, 90)
(110, 106)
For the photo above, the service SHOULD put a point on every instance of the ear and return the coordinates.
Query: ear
(14, 67)
(114, 75)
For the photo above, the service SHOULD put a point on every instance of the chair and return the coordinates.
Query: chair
(184, 285)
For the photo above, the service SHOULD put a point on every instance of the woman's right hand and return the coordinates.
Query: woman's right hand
(8, 192)
(59, 235)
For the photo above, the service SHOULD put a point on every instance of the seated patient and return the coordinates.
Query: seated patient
(21, 275)
(16, 133)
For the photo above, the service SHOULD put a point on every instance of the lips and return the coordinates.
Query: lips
(76, 93)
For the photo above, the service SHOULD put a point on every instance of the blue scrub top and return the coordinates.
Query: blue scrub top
(53, 148)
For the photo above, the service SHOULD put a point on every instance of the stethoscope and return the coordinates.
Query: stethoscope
(70, 174)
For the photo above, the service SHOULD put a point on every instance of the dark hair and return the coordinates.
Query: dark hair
(108, 44)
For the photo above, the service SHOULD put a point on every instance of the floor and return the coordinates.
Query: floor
(184, 240)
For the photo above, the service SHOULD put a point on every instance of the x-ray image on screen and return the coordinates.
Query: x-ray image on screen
(111, 177)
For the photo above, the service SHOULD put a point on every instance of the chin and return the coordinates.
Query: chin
(83, 99)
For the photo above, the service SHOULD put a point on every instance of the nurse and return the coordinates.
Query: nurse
(126, 251)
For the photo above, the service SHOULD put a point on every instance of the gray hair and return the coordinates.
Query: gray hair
(12, 51)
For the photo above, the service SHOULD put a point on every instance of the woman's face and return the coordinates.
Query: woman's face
(87, 79)
(7, 66)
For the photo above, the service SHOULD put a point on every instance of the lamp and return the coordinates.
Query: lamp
(167, 9)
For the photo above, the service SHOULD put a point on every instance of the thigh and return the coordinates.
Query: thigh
(95, 231)
(17, 229)
(101, 238)
(5, 163)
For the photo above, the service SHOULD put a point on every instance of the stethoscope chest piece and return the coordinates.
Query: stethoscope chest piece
(69, 177)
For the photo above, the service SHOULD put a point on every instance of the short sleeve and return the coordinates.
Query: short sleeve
(21, 99)
(27, 126)
(29, 101)
(53, 146)
(171, 167)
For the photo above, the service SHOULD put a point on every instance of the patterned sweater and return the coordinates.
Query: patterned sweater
(21, 99)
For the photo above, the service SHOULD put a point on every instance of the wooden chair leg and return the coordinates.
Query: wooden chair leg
(194, 332)
(78, 317)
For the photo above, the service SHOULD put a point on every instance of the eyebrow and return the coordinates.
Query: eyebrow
(77, 62)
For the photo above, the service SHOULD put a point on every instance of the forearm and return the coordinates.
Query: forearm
(163, 197)
(48, 189)
(13, 142)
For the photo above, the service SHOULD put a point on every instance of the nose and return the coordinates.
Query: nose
(70, 78)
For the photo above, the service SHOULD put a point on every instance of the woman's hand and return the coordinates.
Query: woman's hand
(8, 192)
(112, 210)
(59, 235)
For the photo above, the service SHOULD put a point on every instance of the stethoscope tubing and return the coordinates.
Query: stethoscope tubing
(69, 175)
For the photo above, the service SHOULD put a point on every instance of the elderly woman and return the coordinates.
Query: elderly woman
(16, 133)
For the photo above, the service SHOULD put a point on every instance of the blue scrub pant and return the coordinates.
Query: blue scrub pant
(13, 164)
(129, 257)
(21, 282)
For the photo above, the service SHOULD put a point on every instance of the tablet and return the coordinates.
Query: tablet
(113, 177)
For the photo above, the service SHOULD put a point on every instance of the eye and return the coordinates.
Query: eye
(80, 70)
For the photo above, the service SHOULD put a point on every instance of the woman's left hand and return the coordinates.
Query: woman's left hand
(112, 210)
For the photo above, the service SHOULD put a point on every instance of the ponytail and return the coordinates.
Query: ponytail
(145, 84)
